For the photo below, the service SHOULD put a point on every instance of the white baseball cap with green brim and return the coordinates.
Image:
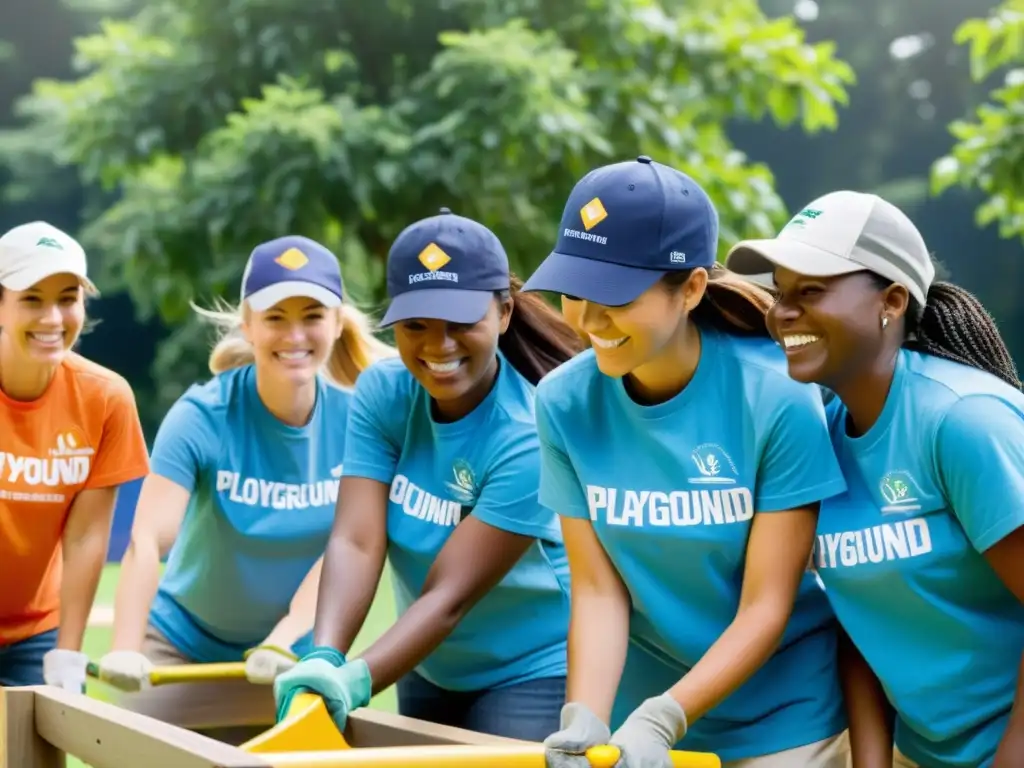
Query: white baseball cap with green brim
(35, 251)
(838, 234)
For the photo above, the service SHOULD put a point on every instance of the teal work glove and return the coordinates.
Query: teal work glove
(344, 686)
(648, 734)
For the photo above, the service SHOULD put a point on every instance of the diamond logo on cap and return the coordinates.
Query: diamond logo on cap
(292, 259)
(593, 213)
(433, 258)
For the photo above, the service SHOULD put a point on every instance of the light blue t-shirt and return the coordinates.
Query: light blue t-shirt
(262, 505)
(485, 465)
(671, 490)
(934, 483)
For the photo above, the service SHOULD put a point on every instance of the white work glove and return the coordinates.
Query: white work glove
(65, 669)
(265, 662)
(127, 670)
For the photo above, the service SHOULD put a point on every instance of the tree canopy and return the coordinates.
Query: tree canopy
(202, 128)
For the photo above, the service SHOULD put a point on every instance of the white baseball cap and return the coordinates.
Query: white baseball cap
(840, 233)
(35, 251)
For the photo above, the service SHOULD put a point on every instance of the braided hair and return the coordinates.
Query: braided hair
(954, 325)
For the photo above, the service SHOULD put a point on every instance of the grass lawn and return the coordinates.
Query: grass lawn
(97, 639)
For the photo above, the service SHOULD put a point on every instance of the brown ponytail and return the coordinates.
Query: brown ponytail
(538, 339)
(730, 303)
(956, 326)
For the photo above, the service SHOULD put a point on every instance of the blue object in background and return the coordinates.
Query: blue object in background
(124, 513)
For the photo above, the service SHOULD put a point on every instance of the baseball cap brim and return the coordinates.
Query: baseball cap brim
(265, 298)
(24, 279)
(759, 258)
(453, 305)
(601, 282)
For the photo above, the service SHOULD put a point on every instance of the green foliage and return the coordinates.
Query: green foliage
(988, 155)
(204, 128)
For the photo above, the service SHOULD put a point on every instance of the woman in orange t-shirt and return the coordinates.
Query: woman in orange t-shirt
(69, 436)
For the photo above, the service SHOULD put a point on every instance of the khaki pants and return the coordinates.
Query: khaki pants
(833, 752)
(899, 760)
(237, 709)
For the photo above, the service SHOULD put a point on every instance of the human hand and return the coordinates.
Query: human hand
(580, 730)
(649, 733)
(265, 662)
(126, 670)
(343, 685)
(65, 669)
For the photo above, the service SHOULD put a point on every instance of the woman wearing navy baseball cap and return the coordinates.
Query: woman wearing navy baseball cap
(441, 473)
(687, 468)
(241, 495)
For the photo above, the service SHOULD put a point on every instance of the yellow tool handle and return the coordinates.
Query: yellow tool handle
(197, 673)
(456, 756)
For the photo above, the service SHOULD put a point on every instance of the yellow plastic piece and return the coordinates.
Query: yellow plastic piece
(603, 757)
(450, 756)
(308, 727)
(197, 673)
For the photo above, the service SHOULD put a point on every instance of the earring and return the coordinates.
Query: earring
(885, 322)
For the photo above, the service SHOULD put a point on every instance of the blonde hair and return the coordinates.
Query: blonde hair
(353, 352)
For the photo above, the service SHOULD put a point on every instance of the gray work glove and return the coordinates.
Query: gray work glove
(649, 733)
(581, 730)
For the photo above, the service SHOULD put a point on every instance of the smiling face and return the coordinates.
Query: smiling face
(454, 362)
(831, 327)
(640, 335)
(42, 323)
(293, 338)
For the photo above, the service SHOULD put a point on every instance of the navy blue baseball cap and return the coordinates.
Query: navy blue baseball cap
(445, 267)
(625, 225)
(288, 267)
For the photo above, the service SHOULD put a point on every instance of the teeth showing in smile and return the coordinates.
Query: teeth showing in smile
(47, 338)
(443, 367)
(799, 340)
(597, 341)
(294, 355)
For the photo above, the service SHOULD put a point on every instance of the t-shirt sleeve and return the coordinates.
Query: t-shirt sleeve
(376, 415)
(508, 498)
(185, 443)
(798, 465)
(979, 450)
(122, 455)
(560, 488)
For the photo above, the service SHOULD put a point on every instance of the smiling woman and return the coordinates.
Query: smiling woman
(441, 474)
(242, 494)
(69, 436)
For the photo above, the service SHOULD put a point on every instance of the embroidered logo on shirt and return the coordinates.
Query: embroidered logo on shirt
(714, 465)
(900, 493)
(464, 488)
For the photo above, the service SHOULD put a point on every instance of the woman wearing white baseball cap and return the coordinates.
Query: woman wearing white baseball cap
(923, 556)
(69, 436)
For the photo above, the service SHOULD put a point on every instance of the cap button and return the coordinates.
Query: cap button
(445, 210)
(644, 159)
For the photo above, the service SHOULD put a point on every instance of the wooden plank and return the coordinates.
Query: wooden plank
(105, 736)
(20, 745)
(372, 728)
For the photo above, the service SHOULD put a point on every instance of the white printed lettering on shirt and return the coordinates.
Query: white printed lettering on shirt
(675, 508)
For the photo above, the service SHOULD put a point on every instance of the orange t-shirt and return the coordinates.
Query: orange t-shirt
(83, 433)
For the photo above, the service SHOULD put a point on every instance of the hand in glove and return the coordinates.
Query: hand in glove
(65, 669)
(126, 670)
(265, 662)
(580, 730)
(649, 733)
(344, 686)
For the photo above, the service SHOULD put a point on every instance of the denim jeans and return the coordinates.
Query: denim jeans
(21, 663)
(528, 711)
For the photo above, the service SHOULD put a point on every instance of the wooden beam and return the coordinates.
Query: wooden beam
(105, 736)
(20, 744)
(372, 728)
